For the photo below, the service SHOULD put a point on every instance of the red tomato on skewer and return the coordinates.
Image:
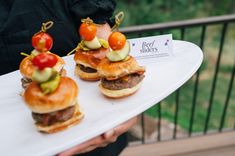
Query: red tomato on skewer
(117, 40)
(44, 60)
(88, 31)
(42, 41)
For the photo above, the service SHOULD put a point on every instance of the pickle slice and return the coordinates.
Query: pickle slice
(93, 44)
(51, 85)
(119, 55)
(42, 75)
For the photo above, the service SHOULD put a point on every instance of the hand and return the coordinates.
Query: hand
(102, 140)
(103, 31)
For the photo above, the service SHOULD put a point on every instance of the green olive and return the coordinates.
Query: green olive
(51, 85)
(104, 43)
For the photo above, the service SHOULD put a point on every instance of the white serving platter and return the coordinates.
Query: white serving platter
(18, 136)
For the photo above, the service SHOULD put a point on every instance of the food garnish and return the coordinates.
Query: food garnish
(87, 29)
(47, 77)
(50, 85)
(89, 40)
(119, 55)
(117, 40)
(42, 75)
(44, 60)
(120, 47)
(42, 41)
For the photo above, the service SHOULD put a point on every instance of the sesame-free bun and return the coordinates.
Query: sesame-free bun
(64, 96)
(27, 68)
(114, 70)
(119, 93)
(90, 58)
(59, 126)
(86, 76)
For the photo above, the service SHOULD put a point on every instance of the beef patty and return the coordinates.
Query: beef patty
(25, 82)
(87, 69)
(48, 119)
(127, 81)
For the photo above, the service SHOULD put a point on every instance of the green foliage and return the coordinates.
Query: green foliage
(138, 12)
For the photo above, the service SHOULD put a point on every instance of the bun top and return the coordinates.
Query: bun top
(27, 68)
(90, 58)
(114, 70)
(64, 96)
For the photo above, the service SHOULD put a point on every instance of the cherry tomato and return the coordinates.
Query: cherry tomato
(44, 60)
(42, 41)
(117, 40)
(88, 31)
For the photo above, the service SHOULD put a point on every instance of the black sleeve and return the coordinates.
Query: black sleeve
(99, 10)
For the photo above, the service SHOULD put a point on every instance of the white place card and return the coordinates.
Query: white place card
(152, 47)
